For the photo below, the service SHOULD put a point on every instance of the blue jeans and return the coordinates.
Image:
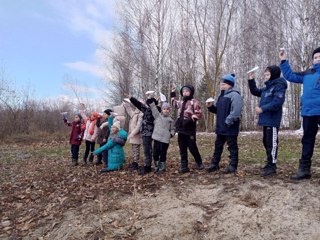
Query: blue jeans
(147, 149)
(75, 151)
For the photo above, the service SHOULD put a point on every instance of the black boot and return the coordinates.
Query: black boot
(230, 169)
(134, 166)
(84, 161)
(91, 157)
(184, 166)
(74, 162)
(199, 167)
(145, 170)
(213, 167)
(269, 169)
(303, 171)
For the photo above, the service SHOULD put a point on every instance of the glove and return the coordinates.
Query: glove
(79, 137)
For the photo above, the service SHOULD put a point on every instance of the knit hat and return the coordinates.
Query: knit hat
(187, 87)
(317, 50)
(108, 111)
(229, 79)
(165, 105)
(116, 124)
(275, 71)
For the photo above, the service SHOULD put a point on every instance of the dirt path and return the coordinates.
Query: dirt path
(223, 207)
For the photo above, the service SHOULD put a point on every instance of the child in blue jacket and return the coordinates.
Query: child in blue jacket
(310, 102)
(270, 112)
(228, 109)
(114, 145)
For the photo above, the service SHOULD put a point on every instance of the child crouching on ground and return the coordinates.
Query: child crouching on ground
(163, 131)
(116, 155)
(75, 137)
(228, 109)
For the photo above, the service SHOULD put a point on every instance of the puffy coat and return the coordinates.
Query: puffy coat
(163, 126)
(76, 132)
(116, 155)
(191, 108)
(228, 109)
(134, 124)
(310, 79)
(272, 99)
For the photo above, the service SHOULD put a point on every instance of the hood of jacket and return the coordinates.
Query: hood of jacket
(277, 81)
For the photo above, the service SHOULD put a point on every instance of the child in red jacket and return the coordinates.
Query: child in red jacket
(75, 136)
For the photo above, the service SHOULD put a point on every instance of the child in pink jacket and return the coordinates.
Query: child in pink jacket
(90, 136)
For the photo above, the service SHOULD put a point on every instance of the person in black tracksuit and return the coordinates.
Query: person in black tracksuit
(228, 109)
(270, 112)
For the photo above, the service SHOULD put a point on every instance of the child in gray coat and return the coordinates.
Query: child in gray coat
(163, 131)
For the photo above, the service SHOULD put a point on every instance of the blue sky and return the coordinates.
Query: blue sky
(42, 41)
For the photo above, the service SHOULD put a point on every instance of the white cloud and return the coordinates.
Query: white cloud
(93, 18)
(93, 69)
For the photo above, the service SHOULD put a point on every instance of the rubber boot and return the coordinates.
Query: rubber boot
(304, 171)
(162, 167)
(156, 166)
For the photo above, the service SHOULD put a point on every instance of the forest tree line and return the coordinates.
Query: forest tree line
(163, 43)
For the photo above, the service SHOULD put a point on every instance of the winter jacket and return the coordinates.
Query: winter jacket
(147, 124)
(228, 109)
(103, 130)
(134, 124)
(76, 134)
(310, 79)
(272, 99)
(163, 126)
(190, 107)
(87, 136)
(116, 155)
(88, 125)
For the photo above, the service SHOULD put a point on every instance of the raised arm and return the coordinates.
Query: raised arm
(253, 88)
(137, 103)
(286, 70)
(155, 111)
(296, 77)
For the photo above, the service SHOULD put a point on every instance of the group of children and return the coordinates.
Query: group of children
(150, 123)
